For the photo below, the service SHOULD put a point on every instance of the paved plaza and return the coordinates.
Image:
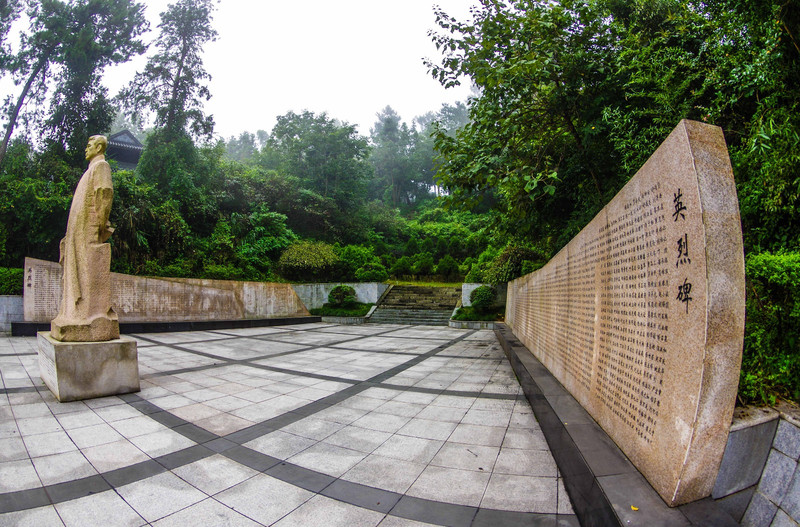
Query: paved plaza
(305, 425)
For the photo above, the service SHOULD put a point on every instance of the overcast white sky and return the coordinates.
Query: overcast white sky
(349, 58)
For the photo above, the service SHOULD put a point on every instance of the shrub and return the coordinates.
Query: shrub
(222, 272)
(476, 274)
(466, 266)
(470, 314)
(447, 267)
(529, 266)
(307, 260)
(423, 264)
(352, 258)
(151, 268)
(353, 309)
(11, 280)
(179, 268)
(482, 298)
(771, 358)
(341, 295)
(509, 263)
(402, 266)
(372, 272)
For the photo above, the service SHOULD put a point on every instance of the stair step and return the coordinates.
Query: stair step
(417, 305)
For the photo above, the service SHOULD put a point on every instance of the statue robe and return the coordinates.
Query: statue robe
(85, 314)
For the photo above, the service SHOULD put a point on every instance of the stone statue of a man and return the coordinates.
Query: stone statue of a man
(85, 314)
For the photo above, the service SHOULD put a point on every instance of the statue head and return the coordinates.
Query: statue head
(96, 146)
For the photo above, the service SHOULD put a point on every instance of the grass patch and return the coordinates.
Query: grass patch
(352, 309)
(469, 314)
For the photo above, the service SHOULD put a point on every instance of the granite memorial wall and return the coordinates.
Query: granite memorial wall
(141, 299)
(641, 315)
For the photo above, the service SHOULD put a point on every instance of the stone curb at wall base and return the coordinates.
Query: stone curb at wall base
(602, 483)
(759, 478)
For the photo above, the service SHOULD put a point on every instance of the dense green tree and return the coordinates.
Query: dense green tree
(450, 117)
(246, 146)
(391, 158)
(575, 95)
(172, 84)
(327, 156)
(732, 63)
(543, 70)
(69, 43)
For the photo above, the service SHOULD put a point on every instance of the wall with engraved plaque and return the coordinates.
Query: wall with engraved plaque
(140, 299)
(641, 315)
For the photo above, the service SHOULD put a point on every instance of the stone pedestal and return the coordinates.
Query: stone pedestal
(84, 370)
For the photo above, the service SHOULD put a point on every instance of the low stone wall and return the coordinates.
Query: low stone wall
(759, 478)
(471, 324)
(142, 299)
(11, 310)
(345, 321)
(315, 295)
(641, 315)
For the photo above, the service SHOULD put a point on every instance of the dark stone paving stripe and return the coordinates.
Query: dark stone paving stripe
(23, 389)
(494, 518)
(23, 499)
(445, 391)
(362, 495)
(133, 473)
(251, 458)
(429, 511)
(184, 457)
(69, 490)
(302, 477)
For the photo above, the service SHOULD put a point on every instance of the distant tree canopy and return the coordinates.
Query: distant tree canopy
(402, 158)
(328, 156)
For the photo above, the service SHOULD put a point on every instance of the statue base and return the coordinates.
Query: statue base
(99, 329)
(84, 370)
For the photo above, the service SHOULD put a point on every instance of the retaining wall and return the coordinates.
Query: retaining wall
(759, 478)
(11, 310)
(315, 295)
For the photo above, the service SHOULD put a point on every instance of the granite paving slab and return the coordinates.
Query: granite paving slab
(314, 424)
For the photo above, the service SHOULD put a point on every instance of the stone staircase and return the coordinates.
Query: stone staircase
(417, 305)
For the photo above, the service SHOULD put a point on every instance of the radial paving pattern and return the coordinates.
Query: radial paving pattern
(299, 425)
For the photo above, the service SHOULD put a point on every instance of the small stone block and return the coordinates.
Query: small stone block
(787, 439)
(744, 459)
(736, 504)
(777, 476)
(84, 370)
(760, 512)
(782, 520)
(791, 502)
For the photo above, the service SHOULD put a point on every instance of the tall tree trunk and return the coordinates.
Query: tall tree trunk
(14, 113)
(170, 123)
